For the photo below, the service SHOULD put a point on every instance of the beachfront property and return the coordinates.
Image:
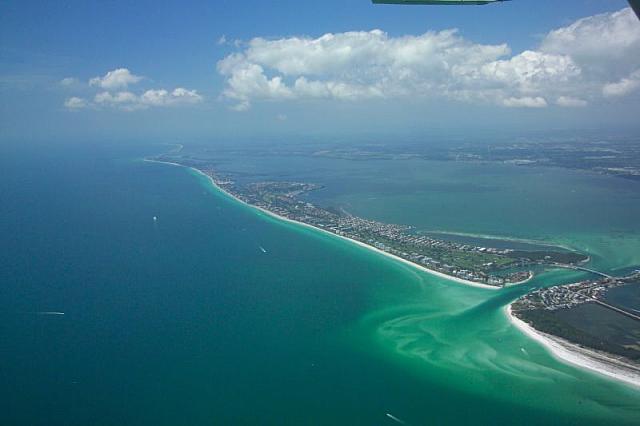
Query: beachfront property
(586, 315)
(571, 295)
(472, 263)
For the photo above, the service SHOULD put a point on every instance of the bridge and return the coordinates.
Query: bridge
(581, 268)
(596, 300)
(618, 310)
(610, 307)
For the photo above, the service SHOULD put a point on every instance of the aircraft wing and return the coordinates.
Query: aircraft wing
(635, 4)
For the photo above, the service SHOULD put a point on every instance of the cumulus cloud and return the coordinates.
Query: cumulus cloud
(116, 79)
(622, 87)
(123, 100)
(126, 100)
(589, 58)
(118, 98)
(569, 102)
(595, 41)
(162, 97)
(68, 81)
(526, 102)
(75, 103)
(151, 98)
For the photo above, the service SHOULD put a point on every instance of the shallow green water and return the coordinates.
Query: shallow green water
(186, 321)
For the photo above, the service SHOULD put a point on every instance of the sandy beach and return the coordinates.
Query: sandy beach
(562, 349)
(571, 353)
(359, 243)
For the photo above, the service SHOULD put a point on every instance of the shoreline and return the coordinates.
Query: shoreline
(359, 243)
(571, 353)
(532, 275)
(561, 349)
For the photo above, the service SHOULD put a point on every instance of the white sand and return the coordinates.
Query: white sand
(560, 348)
(361, 244)
(572, 353)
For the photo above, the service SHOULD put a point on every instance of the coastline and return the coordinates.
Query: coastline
(574, 354)
(561, 349)
(532, 275)
(359, 243)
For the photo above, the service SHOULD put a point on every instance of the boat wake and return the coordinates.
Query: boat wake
(395, 419)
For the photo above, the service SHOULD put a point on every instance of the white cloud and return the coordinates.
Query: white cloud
(118, 98)
(116, 79)
(622, 87)
(595, 41)
(123, 100)
(569, 102)
(162, 97)
(75, 103)
(249, 80)
(114, 95)
(530, 71)
(570, 66)
(241, 106)
(526, 102)
(69, 81)
(151, 98)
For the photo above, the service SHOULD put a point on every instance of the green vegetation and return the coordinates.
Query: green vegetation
(567, 257)
(604, 331)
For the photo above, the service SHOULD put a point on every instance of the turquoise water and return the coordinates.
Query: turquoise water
(593, 213)
(184, 320)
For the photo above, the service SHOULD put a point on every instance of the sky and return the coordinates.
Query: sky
(206, 70)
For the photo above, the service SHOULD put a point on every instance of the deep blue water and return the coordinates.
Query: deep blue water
(184, 320)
